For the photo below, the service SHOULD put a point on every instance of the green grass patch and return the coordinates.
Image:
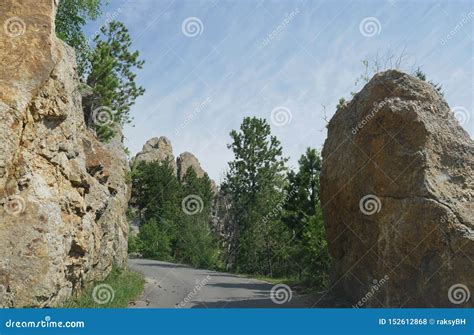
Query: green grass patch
(116, 291)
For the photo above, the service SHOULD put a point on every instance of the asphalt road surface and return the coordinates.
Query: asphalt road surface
(180, 286)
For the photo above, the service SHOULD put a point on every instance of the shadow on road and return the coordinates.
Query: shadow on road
(253, 303)
(165, 265)
(248, 286)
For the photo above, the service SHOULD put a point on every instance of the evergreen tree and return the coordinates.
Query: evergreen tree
(155, 191)
(255, 183)
(303, 216)
(303, 186)
(111, 76)
(315, 258)
(71, 17)
(154, 241)
(177, 215)
(196, 244)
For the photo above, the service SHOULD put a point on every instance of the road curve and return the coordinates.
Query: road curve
(179, 286)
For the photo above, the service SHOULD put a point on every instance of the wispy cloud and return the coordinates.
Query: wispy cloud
(312, 59)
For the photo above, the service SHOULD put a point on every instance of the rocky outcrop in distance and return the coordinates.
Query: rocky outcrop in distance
(184, 162)
(156, 150)
(161, 150)
(397, 197)
(63, 194)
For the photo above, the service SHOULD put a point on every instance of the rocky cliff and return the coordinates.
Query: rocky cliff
(397, 195)
(63, 194)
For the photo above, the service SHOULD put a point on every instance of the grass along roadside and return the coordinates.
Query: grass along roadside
(116, 291)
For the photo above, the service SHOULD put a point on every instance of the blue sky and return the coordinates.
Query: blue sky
(242, 58)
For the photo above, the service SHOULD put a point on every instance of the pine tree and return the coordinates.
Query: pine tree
(154, 241)
(196, 245)
(255, 183)
(111, 76)
(303, 186)
(156, 191)
(71, 17)
(303, 216)
(176, 216)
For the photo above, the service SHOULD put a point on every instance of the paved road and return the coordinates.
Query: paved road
(173, 285)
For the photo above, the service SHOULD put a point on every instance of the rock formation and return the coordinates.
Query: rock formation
(63, 194)
(224, 227)
(397, 195)
(156, 150)
(185, 161)
(160, 150)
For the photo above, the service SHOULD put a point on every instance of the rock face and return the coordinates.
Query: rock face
(63, 194)
(224, 227)
(397, 195)
(156, 150)
(185, 161)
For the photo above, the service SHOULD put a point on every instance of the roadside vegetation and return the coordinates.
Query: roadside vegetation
(116, 291)
(175, 216)
(280, 231)
(274, 226)
(105, 63)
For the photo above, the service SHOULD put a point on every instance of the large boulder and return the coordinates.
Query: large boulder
(63, 194)
(397, 196)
